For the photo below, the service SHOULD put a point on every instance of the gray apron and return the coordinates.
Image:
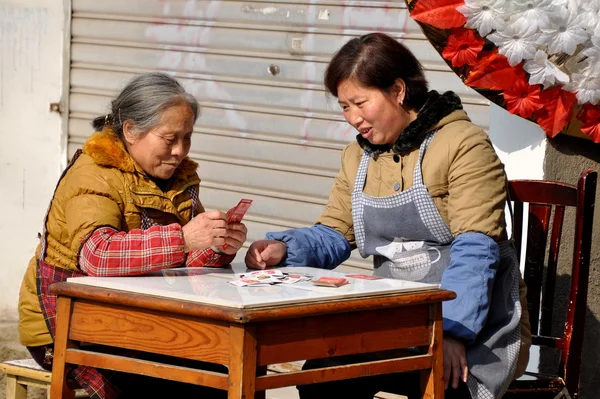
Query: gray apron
(409, 240)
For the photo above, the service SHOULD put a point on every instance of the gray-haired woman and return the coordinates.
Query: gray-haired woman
(126, 205)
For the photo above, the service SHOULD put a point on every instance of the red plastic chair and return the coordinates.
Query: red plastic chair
(546, 199)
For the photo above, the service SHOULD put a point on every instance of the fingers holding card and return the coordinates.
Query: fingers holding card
(235, 215)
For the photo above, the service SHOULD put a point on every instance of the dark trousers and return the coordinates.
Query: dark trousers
(139, 386)
(407, 384)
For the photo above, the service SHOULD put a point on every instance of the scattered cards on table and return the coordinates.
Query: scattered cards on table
(267, 277)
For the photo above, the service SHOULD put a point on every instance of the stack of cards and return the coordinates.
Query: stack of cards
(265, 277)
(330, 281)
(236, 214)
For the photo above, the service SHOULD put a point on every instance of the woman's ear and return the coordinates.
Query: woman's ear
(129, 131)
(400, 90)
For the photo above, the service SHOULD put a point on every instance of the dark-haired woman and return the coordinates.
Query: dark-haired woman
(126, 205)
(423, 192)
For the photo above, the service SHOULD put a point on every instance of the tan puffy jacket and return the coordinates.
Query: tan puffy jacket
(463, 175)
(104, 187)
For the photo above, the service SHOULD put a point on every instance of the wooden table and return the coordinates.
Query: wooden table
(195, 314)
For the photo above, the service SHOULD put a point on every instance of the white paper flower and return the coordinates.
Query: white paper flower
(588, 17)
(564, 34)
(543, 71)
(586, 87)
(533, 13)
(484, 15)
(515, 42)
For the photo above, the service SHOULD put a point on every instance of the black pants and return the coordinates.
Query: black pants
(407, 384)
(139, 386)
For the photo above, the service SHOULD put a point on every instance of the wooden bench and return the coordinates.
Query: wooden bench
(23, 373)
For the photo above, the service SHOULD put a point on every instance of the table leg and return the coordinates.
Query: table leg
(242, 362)
(432, 381)
(260, 370)
(59, 388)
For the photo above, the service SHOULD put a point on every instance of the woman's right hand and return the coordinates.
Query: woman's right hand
(264, 253)
(208, 229)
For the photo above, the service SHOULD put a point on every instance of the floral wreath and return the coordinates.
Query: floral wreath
(539, 59)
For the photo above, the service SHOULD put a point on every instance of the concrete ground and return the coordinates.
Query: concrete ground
(11, 349)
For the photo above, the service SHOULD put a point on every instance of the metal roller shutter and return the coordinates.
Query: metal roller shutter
(267, 130)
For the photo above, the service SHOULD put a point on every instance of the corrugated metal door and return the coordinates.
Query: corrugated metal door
(267, 130)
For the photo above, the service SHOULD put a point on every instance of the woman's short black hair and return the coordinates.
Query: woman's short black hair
(377, 60)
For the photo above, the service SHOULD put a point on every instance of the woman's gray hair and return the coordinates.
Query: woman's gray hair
(143, 101)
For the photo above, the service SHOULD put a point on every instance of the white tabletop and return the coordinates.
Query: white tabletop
(210, 286)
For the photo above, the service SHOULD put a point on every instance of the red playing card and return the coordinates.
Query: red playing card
(330, 281)
(236, 214)
(364, 276)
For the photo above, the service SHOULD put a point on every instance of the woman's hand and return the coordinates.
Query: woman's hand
(263, 253)
(234, 238)
(455, 362)
(206, 230)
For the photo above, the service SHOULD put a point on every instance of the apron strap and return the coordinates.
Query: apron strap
(147, 222)
(361, 173)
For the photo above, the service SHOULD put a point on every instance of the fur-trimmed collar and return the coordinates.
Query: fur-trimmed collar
(436, 107)
(107, 149)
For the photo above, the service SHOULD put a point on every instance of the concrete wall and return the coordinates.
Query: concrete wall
(566, 157)
(31, 75)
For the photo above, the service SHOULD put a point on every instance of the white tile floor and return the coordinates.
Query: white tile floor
(283, 393)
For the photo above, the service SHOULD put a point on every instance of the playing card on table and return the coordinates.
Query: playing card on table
(330, 281)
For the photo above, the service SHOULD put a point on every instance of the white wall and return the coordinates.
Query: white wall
(31, 74)
(520, 144)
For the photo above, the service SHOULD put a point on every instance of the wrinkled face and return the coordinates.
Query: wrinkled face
(378, 116)
(160, 150)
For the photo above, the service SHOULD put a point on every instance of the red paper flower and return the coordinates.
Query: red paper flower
(463, 47)
(522, 98)
(439, 13)
(590, 116)
(493, 72)
(557, 110)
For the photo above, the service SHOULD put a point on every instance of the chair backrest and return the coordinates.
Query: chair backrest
(542, 197)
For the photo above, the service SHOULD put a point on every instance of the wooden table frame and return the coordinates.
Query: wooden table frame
(247, 340)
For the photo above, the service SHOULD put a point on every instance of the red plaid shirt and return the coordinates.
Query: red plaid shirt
(109, 252)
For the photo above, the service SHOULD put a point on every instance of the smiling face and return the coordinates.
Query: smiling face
(377, 115)
(160, 150)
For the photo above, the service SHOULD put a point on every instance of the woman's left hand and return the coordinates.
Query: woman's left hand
(234, 238)
(455, 362)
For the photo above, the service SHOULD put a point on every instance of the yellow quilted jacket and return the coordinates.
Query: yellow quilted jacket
(104, 187)
(463, 175)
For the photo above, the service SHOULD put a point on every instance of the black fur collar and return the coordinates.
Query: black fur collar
(436, 107)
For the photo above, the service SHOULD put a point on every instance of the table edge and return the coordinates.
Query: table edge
(241, 315)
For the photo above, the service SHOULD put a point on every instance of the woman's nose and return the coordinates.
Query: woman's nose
(178, 149)
(355, 118)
